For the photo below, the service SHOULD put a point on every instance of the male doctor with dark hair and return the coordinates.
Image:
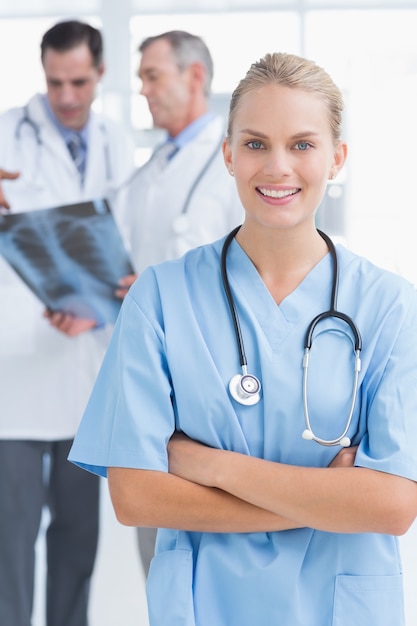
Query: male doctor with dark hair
(53, 151)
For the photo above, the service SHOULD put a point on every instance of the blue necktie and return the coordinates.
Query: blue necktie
(76, 149)
(164, 153)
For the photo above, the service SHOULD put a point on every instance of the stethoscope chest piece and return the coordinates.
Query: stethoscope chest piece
(245, 389)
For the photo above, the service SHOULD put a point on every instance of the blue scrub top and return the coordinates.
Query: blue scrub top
(171, 357)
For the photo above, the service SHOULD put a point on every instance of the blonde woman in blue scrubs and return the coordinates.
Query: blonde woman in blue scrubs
(260, 526)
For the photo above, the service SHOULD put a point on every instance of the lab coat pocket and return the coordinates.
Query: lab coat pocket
(376, 600)
(169, 589)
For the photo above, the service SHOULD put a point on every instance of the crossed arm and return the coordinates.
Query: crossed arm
(211, 490)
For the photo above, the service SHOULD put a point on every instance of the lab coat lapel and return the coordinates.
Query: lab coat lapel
(51, 140)
(96, 155)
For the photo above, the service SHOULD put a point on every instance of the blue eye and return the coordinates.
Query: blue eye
(255, 145)
(302, 145)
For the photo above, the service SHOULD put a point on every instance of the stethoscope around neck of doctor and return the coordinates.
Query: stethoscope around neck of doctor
(245, 388)
(36, 130)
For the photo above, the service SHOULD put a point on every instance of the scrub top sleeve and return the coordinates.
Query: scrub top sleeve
(129, 417)
(389, 444)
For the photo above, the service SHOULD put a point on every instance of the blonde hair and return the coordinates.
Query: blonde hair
(294, 72)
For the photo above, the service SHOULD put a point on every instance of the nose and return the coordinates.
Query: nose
(278, 162)
(67, 95)
(144, 89)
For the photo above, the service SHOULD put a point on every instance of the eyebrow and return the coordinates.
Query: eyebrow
(143, 71)
(300, 135)
(306, 133)
(249, 131)
(56, 81)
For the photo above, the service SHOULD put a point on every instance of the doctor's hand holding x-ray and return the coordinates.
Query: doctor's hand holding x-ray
(4, 204)
(69, 324)
(124, 285)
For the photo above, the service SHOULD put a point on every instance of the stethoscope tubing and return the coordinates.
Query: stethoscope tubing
(253, 396)
(226, 285)
(309, 433)
(26, 119)
(201, 175)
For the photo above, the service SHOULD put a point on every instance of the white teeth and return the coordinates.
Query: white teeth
(272, 193)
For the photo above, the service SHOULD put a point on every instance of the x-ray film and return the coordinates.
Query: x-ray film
(70, 256)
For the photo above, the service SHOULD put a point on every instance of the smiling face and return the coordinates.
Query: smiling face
(71, 80)
(282, 153)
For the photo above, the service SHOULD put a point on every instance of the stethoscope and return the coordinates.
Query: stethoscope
(245, 388)
(35, 128)
(180, 224)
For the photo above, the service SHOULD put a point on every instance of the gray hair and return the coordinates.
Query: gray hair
(187, 49)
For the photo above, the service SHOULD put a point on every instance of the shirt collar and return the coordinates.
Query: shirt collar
(192, 130)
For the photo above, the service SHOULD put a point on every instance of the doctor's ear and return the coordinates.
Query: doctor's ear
(100, 70)
(339, 159)
(227, 155)
(198, 74)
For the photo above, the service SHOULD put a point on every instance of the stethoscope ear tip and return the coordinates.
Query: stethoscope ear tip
(307, 435)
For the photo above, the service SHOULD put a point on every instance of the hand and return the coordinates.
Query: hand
(125, 283)
(345, 457)
(6, 176)
(68, 324)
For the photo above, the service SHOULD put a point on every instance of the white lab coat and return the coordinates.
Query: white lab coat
(45, 376)
(154, 200)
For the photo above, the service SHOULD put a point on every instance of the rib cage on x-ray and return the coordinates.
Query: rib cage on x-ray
(71, 257)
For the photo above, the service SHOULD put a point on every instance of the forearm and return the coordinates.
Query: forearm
(346, 500)
(156, 499)
(341, 498)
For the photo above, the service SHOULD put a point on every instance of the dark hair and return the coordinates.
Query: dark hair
(70, 34)
(187, 49)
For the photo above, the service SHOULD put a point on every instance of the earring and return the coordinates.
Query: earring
(331, 177)
(232, 172)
